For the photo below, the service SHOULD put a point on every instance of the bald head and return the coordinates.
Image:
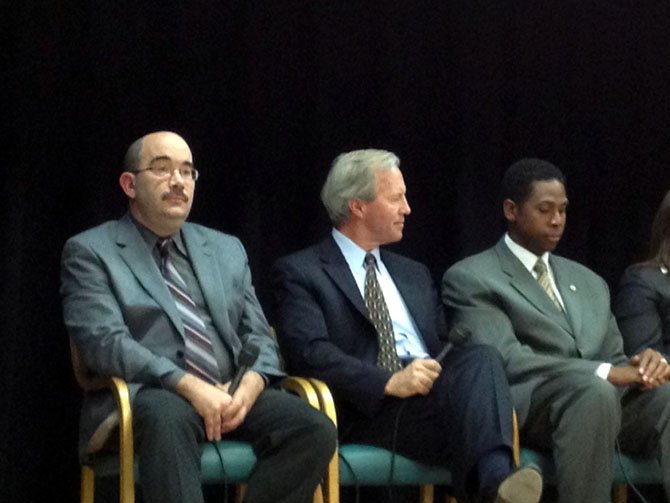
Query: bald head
(131, 161)
(157, 180)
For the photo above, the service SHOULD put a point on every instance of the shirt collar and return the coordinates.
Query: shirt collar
(527, 258)
(353, 254)
(151, 239)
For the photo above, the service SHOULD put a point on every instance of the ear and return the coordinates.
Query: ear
(509, 210)
(357, 208)
(127, 183)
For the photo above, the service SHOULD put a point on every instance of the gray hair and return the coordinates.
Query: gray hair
(352, 176)
(132, 158)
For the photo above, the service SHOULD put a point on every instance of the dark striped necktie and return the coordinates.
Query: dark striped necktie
(199, 352)
(387, 357)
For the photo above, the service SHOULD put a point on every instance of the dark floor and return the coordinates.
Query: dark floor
(107, 492)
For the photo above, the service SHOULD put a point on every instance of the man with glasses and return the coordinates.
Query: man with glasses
(169, 306)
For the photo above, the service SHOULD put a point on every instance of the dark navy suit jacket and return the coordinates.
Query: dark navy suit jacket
(323, 327)
(642, 309)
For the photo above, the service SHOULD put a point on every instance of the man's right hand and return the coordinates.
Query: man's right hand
(624, 376)
(208, 401)
(415, 379)
(648, 369)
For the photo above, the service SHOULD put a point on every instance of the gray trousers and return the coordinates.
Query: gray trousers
(292, 441)
(580, 419)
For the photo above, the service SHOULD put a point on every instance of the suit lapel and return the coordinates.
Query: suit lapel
(524, 283)
(568, 290)
(337, 268)
(133, 251)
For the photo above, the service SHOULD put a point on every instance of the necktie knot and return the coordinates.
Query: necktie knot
(540, 267)
(542, 272)
(370, 260)
(164, 245)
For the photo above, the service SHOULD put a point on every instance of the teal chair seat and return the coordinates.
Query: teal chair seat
(371, 466)
(224, 461)
(366, 465)
(235, 463)
(627, 470)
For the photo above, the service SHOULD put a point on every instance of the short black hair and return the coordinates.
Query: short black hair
(517, 183)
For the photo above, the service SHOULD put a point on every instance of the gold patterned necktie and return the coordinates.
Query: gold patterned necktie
(540, 269)
(387, 357)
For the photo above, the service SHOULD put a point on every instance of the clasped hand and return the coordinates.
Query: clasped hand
(417, 378)
(220, 411)
(648, 369)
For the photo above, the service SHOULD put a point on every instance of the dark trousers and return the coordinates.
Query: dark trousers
(579, 419)
(466, 416)
(292, 441)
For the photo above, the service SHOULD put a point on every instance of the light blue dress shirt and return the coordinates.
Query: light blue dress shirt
(408, 342)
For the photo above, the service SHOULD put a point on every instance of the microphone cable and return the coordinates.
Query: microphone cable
(617, 449)
(357, 485)
(223, 470)
(394, 442)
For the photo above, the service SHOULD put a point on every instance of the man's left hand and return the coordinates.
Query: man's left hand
(652, 367)
(245, 396)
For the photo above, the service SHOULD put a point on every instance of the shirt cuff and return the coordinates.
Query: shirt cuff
(603, 370)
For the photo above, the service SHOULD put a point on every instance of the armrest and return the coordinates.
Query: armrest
(91, 382)
(302, 388)
(326, 402)
(516, 447)
(327, 405)
(119, 389)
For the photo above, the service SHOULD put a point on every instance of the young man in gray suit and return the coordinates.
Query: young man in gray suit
(389, 387)
(168, 306)
(573, 388)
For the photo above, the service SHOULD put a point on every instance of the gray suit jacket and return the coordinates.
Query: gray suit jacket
(124, 321)
(492, 298)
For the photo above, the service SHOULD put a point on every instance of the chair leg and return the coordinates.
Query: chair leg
(318, 494)
(87, 485)
(620, 493)
(240, 491)
(426, 493)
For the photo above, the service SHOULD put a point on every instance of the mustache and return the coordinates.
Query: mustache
(175, 193)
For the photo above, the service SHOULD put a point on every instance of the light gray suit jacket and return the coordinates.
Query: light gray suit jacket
(124, 321)
(492, 298)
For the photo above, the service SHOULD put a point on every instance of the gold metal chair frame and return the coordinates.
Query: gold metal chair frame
(89, 382)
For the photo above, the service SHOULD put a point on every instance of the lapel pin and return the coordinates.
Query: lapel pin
(573, 288)
(664, 269)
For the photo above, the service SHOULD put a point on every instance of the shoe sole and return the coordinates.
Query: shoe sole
(523, 486)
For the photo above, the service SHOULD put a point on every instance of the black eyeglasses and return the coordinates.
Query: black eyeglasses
(186, 172)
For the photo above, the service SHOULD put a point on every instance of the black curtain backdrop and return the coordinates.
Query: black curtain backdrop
(267, 94)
